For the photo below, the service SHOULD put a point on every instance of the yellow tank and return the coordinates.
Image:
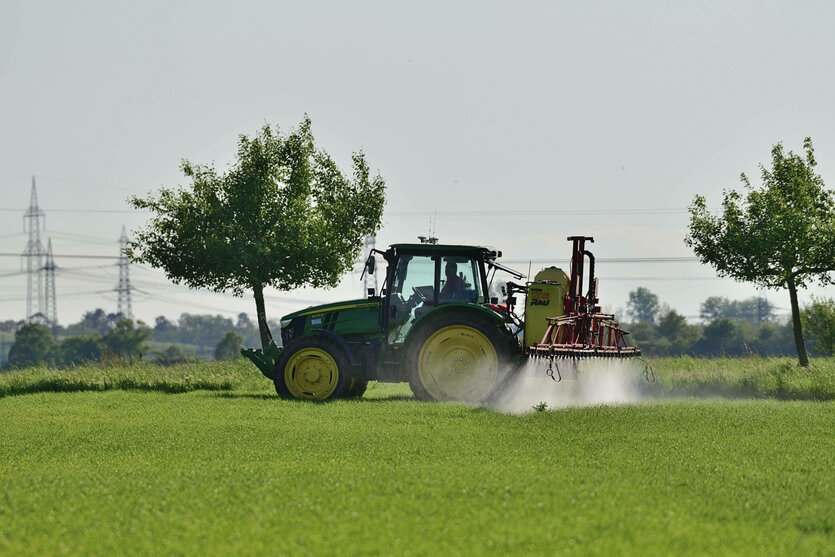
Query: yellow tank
(545, 299)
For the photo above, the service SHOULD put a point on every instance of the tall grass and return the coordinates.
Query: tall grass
(181, 378)
(751, 377)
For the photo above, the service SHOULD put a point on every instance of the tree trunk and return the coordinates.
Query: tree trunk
(263, 327)
(798, 331)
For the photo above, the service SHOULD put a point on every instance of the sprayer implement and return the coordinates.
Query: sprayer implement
(435, 326)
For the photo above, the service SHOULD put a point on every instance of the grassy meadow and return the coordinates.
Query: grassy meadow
(205, 459)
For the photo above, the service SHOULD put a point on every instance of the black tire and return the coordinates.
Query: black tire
(318, 370)
(357, 388)
(466, 357)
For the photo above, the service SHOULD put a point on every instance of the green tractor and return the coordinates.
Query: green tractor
(435, 326)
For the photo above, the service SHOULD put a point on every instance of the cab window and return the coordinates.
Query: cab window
(460, 281)
(412, 293)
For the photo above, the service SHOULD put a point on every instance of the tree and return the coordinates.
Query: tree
(643, 306)
(93, 322)
(819, 319)
(229, 347)
(244, 323)
(79, 350)
(247, 329)
(33, 345)
(126, 339)
(781, 235)
(283, 215)
(203, 330)
(720, 337)
(164, 330)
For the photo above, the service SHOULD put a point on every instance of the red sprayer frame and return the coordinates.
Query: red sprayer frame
(583, 330)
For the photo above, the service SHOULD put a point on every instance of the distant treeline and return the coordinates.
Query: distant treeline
(104, 336)
(727, 328)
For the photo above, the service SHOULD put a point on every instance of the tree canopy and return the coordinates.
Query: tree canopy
(643, 306)
(33, 345)
(819, 320)
(781, 235)
(284, 215)
(754, 310)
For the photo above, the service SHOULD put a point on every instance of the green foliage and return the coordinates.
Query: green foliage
(781, 235)
(229, 347)
(171, 355)
(283, 215)
(674, 335)
(203, 331)
(819, 320)
(719, 337)
(165, 330)
(33, 345)
(96, 322)
(213, 473)
(126, 339)
(731, 331)
(783, 232)
(79, 350)
(753, 310)
(643, 306)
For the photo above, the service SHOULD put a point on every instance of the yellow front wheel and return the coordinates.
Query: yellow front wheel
(312, 369)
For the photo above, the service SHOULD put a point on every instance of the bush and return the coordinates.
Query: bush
(229, 347)
(33, 345)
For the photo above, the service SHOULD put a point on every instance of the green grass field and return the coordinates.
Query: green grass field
(204, 459)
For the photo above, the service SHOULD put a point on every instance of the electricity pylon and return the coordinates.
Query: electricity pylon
(33, 220)
(123, 289)
(50, 309)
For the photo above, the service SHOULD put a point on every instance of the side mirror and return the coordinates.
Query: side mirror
(370, 292)
(370, 264)
(494, 300)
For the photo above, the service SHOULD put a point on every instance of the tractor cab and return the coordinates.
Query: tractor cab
(424, 277)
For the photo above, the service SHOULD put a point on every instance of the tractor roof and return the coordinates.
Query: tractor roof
(485, 252)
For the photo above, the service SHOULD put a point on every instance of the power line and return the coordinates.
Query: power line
(610, 260)
(69, 256)
(509, 261)
(122, 211)
(451, 213)
(535, 213)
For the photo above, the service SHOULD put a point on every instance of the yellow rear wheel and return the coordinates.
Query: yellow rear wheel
(456, 362)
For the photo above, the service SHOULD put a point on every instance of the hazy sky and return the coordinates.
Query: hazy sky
(596, 118)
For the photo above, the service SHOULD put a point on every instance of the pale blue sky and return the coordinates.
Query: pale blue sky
(564, 108)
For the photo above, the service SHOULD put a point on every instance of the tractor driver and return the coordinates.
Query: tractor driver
(454, 286)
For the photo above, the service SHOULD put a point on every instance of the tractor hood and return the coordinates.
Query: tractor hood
(350, 319)
(364, 303)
